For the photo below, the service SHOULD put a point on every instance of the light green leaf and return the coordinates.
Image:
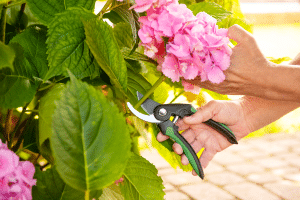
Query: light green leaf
(4, 1)
(112, 192)
(33, 41)
(50, 186)
(66, 45)
(45, 10)
(101, 40)
(166, 151)
(7, 56)
(210, 8)
(126, 52)
(90, 140)
(279, 60)
(141, 180)
(15, 91)
(46, 110)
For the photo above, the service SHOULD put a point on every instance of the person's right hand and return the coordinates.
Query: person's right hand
(200, 135)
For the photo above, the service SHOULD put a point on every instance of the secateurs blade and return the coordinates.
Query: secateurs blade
(166, 115)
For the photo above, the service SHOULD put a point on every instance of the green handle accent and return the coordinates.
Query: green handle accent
(187, 149)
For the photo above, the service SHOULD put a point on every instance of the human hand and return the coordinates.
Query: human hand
(200, 135)
(248, 67)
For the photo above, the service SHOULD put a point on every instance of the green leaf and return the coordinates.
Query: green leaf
(112, 192)
(136, 56)
(7, 56)
(15, 91)
(136, 82)
(30, 133)
(33, 41)
(122, 13)
(50, 186)
(66, 45)
(100, 38)
(123, 35)
(46, 110)
(279, 60)
(210, 8)
(166, 151)
(4, 1)
(141, 180)
(90, 140)
(45, 10)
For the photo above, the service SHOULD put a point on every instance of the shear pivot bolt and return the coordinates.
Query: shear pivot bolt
(162, 112)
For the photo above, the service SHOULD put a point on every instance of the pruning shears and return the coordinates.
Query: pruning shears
(166, 115)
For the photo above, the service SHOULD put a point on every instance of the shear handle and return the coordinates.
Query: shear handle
(170, 129)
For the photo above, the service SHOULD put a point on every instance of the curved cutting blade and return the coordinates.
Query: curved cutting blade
(148, 105)
(147, 118)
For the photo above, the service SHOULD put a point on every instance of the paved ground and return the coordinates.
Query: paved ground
(258, 168)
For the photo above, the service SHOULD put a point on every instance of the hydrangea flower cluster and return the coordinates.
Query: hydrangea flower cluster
(16, 177)
(184, 45)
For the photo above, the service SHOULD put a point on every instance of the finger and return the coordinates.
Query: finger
(196, 146)
(238, 34)
(181, 125)
(203, 114)
(189, 136)
(206, 157)
(161, 137)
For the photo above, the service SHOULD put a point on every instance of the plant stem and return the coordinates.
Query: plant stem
(103, 10)
(16, 3)
(8, 123)
(3, 24)
(87, 195)
(178, 95)
(156, 84)
(17, 126)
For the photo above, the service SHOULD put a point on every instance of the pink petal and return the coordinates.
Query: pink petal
(8, 162)
(216, 75)
(170, 68)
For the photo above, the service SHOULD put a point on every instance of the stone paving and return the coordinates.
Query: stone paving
(264, 168)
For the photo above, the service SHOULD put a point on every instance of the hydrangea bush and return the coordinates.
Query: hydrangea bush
(66, 74)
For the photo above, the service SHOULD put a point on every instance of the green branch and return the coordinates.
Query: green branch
(147, 95)
(3, 24)
(103, 10)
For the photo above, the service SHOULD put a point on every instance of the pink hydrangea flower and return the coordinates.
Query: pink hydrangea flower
(16, 177)
(185, 46)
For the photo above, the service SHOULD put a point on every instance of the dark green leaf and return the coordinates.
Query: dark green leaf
(100, 38)
(90, 139)
(210, 8)
(136, 82)
(50, 186)
(46, 110)
(122, 13)
(15, 91)
(66, 45)
(30, 136)
(33, 41)
(123, 35)
(141, 180)
(7, 56)
(45, 10)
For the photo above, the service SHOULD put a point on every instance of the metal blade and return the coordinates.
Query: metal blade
(148, 105)
(147, 118)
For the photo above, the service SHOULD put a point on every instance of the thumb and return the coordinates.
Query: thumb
(204, 113)
(238, 34)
